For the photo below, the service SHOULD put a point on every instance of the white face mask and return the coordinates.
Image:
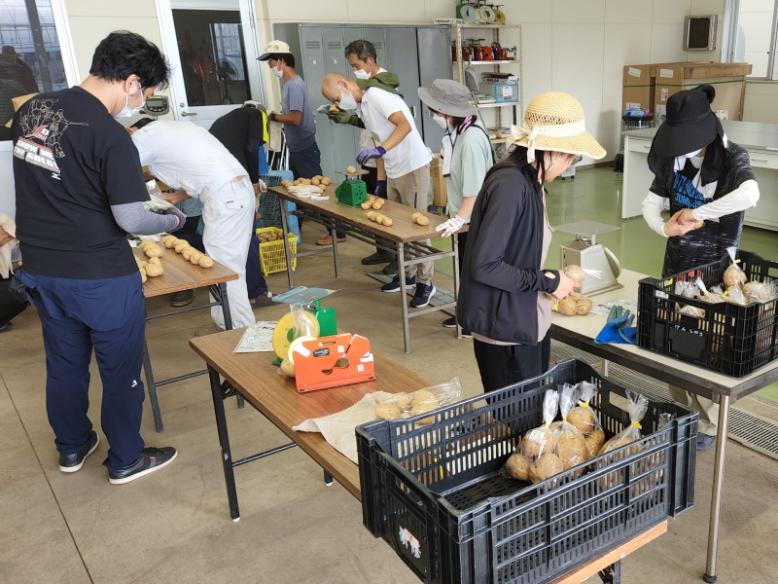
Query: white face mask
(347, 102)
(361, 74)
(127, 111)
(277, 72)
(693, 154)
(441, 121)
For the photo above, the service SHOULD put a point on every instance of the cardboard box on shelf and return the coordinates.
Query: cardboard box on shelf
(638, 88)
(728, 79)
(439, 189)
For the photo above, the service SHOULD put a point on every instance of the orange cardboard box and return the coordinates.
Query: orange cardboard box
(333, 361)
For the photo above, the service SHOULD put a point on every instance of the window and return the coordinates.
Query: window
(31, 58)
(753, 36)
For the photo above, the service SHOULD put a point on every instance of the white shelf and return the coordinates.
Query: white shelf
(507, 62)
(490, 26)
(503, 104)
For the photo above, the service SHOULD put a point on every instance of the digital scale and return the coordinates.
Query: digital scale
(156, 105)
(353, 190)
(600, 264)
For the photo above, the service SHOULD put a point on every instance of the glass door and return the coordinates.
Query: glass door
(213, 54)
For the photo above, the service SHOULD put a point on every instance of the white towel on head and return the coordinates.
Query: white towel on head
(6, 269)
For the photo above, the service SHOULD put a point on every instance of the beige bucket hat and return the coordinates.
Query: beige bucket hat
(554, 121)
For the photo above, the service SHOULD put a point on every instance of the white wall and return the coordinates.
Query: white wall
(761, 102)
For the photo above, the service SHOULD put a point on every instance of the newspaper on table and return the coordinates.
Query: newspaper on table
(257, 338)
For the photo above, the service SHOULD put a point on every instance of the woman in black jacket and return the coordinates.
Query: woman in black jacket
(505, 296)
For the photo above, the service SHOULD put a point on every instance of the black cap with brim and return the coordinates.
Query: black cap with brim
(690, 125)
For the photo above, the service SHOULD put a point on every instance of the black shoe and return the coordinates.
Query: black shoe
(150, 459)
(181, 299)
(74, 462)
(450, 323)
(705, 441)
(379, 257)
(423, 295)
(4, 326)
(390, 270)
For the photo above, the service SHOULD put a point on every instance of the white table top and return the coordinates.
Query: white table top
(750, 135)
(581, 330)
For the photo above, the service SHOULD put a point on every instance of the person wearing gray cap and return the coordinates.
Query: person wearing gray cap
(452, 107)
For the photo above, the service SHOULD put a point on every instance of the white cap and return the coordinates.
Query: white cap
(275, 48)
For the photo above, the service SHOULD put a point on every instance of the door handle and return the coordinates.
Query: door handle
(186, 114)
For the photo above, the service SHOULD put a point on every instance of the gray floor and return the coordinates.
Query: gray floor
(174, 526)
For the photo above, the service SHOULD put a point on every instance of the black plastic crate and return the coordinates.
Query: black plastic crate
(437, 493)
(730, 339)
(269, 202)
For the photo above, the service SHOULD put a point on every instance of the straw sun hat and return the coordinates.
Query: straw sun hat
(555, 121)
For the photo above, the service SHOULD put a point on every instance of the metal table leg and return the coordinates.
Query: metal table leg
(151, 387)
(403, 296)
(224, 300)
(611, 574)
(287, 251)
(718, 484)
(224, 442)
(328, 479)
(334, 235)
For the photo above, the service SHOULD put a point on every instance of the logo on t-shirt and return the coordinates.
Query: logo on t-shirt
(685, 193)
(42, 128)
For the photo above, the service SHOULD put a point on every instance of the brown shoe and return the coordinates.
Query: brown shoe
(326, 240)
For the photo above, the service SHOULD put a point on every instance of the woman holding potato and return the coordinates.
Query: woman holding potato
(505, 296)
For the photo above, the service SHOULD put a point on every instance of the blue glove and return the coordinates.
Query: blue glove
(380, 188)
(369, 153)
(619, 328)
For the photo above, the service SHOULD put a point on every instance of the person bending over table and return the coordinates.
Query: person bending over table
(708, 182)
(406, 159)
(79, 191)
(453, 109)
(505, 297)
(187, 157)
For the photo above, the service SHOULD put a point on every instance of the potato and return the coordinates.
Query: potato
(143, 275)
(286, 183)
(734, 276)
(575, 273)
(421, 219)
(423, 408)
(196, 257)
(181, 246)
(153, 251)
(539, 441)
(545, 467)
(316, 181)
(594, 442)
(757, 291)
(371, 215)
(387, 221)
(423, 396)
(402, 400)
(367, 205)
(518, 466)
(287, 368)
(351, 169)
(154, 270)
(326, 181)
(388, 411)
(156, 261)
(187, 252)
(378, 204)
(568, 306)
(169, 241)
(205, 262)
(583, 418)
(583, 306)
(571, 449)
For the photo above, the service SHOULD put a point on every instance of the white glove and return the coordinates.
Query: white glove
(451, 226)
(262, 186)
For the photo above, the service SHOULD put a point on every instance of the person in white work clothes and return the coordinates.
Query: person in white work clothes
(406, 160)
(189, 158)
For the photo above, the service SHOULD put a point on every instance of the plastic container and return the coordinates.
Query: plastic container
(272, 258)
(270, 204)
(503, 91)
(438, 495)
(729, 339)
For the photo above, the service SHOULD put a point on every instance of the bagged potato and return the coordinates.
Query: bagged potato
(571, 444)
(637, 407)
(421, 401)
(734, 274)
(583, 416)
(543, 439)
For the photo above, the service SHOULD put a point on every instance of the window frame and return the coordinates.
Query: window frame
(732, 17)
(65, 41)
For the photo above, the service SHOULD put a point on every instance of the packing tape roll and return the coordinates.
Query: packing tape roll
(285, 332)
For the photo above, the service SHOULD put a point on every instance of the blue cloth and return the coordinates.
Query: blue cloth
(294, 97)
(618, 328)
(77, 316)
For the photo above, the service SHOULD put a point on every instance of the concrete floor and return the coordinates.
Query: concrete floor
(174, 526)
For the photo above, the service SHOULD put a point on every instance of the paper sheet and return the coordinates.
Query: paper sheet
(257, 338)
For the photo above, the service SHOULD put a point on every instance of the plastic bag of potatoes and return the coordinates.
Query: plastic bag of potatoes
(536, 459)
(637, 408)
(586, 419)
(571, 448)
(419, 402)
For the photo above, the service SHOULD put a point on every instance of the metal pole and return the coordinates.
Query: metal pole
(334, 235)
(403, 296)
(328, 479)
(227, 313)
(455, 239)
(718, 483)
(39, 44)
(224, 442)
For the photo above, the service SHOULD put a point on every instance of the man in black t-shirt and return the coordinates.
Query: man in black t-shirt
(79, 191)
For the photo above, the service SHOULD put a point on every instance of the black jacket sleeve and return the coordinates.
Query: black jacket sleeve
(504, 204)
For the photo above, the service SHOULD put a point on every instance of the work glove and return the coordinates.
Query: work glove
(380, 188)
(180, 217)
(341, 117)
(272, 117)
(262, 186)
(618, 328)
(369, 153)
(451, 226)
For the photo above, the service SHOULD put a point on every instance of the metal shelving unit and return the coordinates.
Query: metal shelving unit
(508, 35)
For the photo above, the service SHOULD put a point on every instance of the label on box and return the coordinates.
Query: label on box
(660, 294)
(668, 73)
(664, 93)
(634, 72)
(632, 105)
(507, 91)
